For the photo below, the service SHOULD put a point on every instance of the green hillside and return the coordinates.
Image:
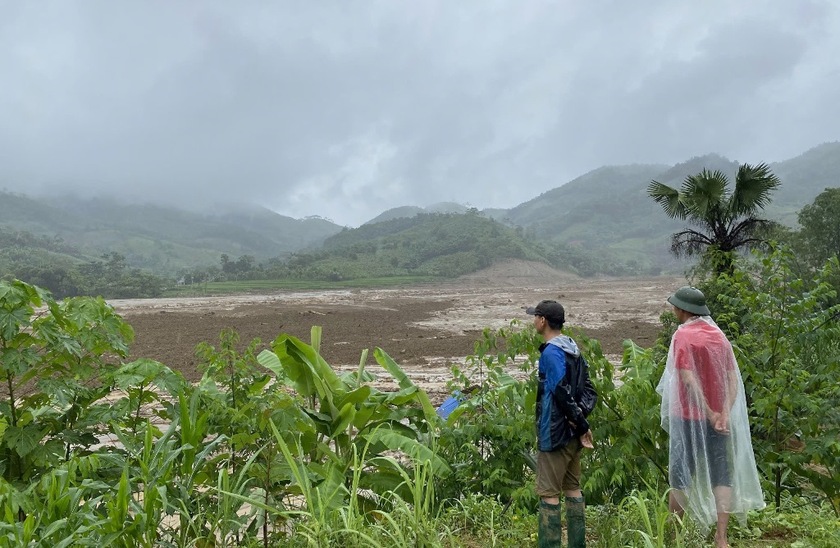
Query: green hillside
(435, 244)
(54, 264)
(600, 185)
(161, 239)
(18, 247)
(803, 178)
(428, 244)
(607, 211)
(24, 214)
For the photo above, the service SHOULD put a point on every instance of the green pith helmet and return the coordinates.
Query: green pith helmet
(691, 300)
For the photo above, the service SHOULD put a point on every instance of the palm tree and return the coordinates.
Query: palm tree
(725, 221)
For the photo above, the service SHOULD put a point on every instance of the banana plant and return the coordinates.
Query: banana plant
(352, 417)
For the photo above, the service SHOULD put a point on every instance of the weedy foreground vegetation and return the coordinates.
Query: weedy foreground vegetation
(278, 449)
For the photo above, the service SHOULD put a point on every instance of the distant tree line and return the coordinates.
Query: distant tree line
(51, 263)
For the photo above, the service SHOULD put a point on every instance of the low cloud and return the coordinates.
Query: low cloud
(345, 109)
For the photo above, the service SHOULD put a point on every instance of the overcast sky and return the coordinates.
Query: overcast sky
(344, 109)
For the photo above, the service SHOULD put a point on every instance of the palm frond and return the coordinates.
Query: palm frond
(753, 187)
(689, 242)
(749, 233)
(704, 192)
(668, 198)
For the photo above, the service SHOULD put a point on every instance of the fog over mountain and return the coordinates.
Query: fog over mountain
(344, 109)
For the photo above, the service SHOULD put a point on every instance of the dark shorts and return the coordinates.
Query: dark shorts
(559, 470)
(683, 467)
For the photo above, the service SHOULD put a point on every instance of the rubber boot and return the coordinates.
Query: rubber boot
(576, 522)
(550, 533)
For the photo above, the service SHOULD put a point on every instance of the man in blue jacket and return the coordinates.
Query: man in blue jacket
(565, 397)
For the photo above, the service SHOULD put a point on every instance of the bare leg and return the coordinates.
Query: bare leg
(723, 497)
(674, 502)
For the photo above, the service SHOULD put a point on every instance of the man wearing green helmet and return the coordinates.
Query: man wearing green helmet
(712, 468)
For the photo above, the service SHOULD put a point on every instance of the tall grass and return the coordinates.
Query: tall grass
(643, 519)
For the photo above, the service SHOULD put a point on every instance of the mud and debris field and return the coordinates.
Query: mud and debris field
(425, 329)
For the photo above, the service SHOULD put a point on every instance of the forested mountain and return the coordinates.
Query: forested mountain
(803, 178)
(607, 211)
(430, 244)
(601, 222)
(157, 238)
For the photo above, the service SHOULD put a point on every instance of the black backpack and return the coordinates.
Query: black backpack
(578, 376)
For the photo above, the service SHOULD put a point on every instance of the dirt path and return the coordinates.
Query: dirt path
(423, 328)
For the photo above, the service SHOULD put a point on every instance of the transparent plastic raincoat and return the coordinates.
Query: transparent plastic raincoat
(704, 410)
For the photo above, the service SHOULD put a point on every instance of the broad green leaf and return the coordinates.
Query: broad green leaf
(364, 415)
(298, 373)
(345, 417)
(23, 440)
(384, 478)
(357, 396)
(505, 380)
(14, 320)
(704, 193)
(306, 369)
(403, 396)
(360, 373)
(354, 378)
(270, 361)
(391, 424)
(388, 363)
(304, 352)
(331, 492)
(410, 446)
(456, 414)
(668, 198)
(19, 362)
(146, 372)
(315, 338)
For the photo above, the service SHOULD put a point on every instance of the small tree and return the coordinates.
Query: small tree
(726, 221)
(55, 361)
(787, 340)
(820, 233)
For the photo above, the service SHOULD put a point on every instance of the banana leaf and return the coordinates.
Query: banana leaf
(405, 383)
(396, 441)
(308, 373)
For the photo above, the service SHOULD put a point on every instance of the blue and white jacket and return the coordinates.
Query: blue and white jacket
(565, 395)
